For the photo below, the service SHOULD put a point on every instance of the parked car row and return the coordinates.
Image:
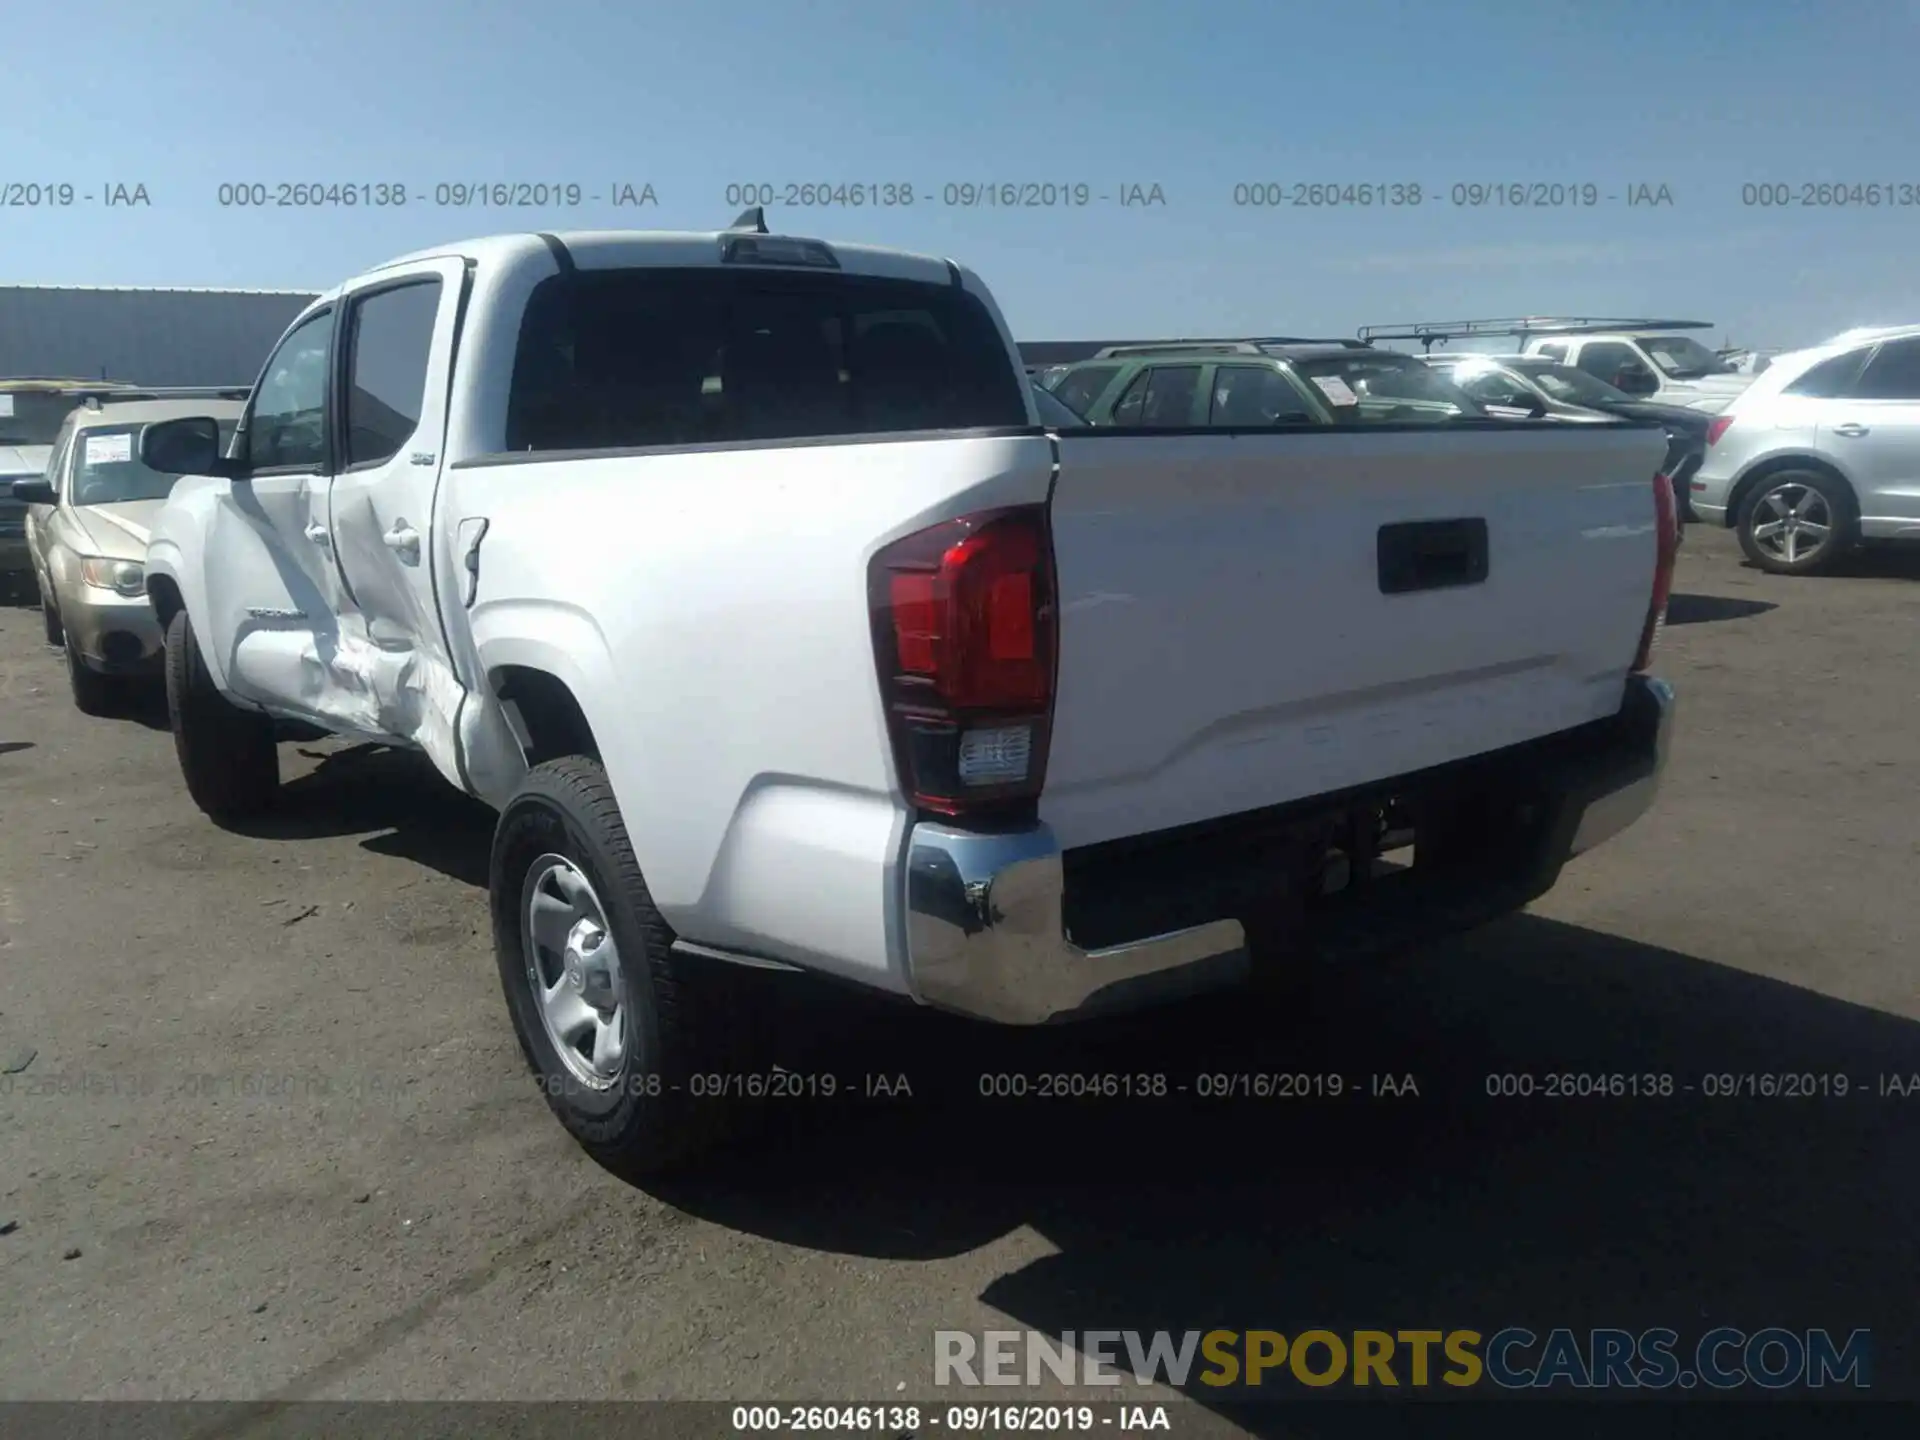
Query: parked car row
(1333, 382)
(1806, 454)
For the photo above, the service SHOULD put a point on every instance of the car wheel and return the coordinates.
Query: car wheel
(93, 693)
(603, 1015)
(227, 755)
(50, 618)
(1798, 522)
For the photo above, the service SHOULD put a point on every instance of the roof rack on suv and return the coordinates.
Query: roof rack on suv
(1252, 346)
(1433, 332)
(1178, 347)
(92, 396)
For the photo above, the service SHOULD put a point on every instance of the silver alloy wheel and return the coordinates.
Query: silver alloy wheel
(1792, 521)
(573, 965)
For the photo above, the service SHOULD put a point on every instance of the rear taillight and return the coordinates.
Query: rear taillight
(1717, 427)
(1666, 516)
(965, 624)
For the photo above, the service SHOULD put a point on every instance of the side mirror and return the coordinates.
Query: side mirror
(34, 492)
(185, 447)
(1637, 380)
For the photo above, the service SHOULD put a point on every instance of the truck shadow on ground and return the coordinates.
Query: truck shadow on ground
(142, 703)
(1686, 609)
(395, 793)
(1455, 1208)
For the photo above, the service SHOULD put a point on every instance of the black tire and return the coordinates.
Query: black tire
(644, 1120)
(93, 693)
(50, 618)
(227, 754)
(1791, 488)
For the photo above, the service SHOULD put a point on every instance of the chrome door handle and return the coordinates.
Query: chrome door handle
(1850, 430)
(317, 533)
(403, 540)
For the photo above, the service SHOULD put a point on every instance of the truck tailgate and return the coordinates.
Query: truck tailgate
(1226, 645)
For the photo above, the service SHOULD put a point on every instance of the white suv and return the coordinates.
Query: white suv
(1821, 452)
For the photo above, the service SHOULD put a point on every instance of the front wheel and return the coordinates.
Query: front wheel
(1798, 522)
(586, 963)
(227, 754)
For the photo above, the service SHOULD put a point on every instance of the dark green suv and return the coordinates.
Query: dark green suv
(1250, 384)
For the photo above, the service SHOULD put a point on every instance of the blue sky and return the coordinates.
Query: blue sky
(1195, 96)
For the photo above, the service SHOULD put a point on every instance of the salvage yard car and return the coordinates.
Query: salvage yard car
(737, 572)
(87, 524)
(1821, 454)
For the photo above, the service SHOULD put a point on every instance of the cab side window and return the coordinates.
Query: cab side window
(391, 344)
(286, 427)
(1618, 365)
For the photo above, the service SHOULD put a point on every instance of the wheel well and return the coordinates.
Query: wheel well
(545, 717)
(1737, 498)
(166, 598)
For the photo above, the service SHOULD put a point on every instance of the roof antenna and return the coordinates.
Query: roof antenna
(752, 221)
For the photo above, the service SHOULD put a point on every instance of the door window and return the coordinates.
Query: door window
(1253, 395)
(1126, 410)
(286, 428)
(392, 341)
(1170, 395)
(1080, 388)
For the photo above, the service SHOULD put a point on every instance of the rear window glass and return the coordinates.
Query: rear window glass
(622, 358)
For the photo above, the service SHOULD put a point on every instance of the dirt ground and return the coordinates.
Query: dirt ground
(265, 1133)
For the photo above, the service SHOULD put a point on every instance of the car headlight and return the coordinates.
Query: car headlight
(124, 577)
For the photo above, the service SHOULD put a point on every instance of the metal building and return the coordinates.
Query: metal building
(146, 336)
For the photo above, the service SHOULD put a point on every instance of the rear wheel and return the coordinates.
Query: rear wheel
(1798, 522)
(603, 1014)
(227, 754)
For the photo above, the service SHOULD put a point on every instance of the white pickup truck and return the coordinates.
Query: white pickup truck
(738, 574)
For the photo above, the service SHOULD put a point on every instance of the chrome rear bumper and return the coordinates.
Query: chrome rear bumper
(985, 929)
